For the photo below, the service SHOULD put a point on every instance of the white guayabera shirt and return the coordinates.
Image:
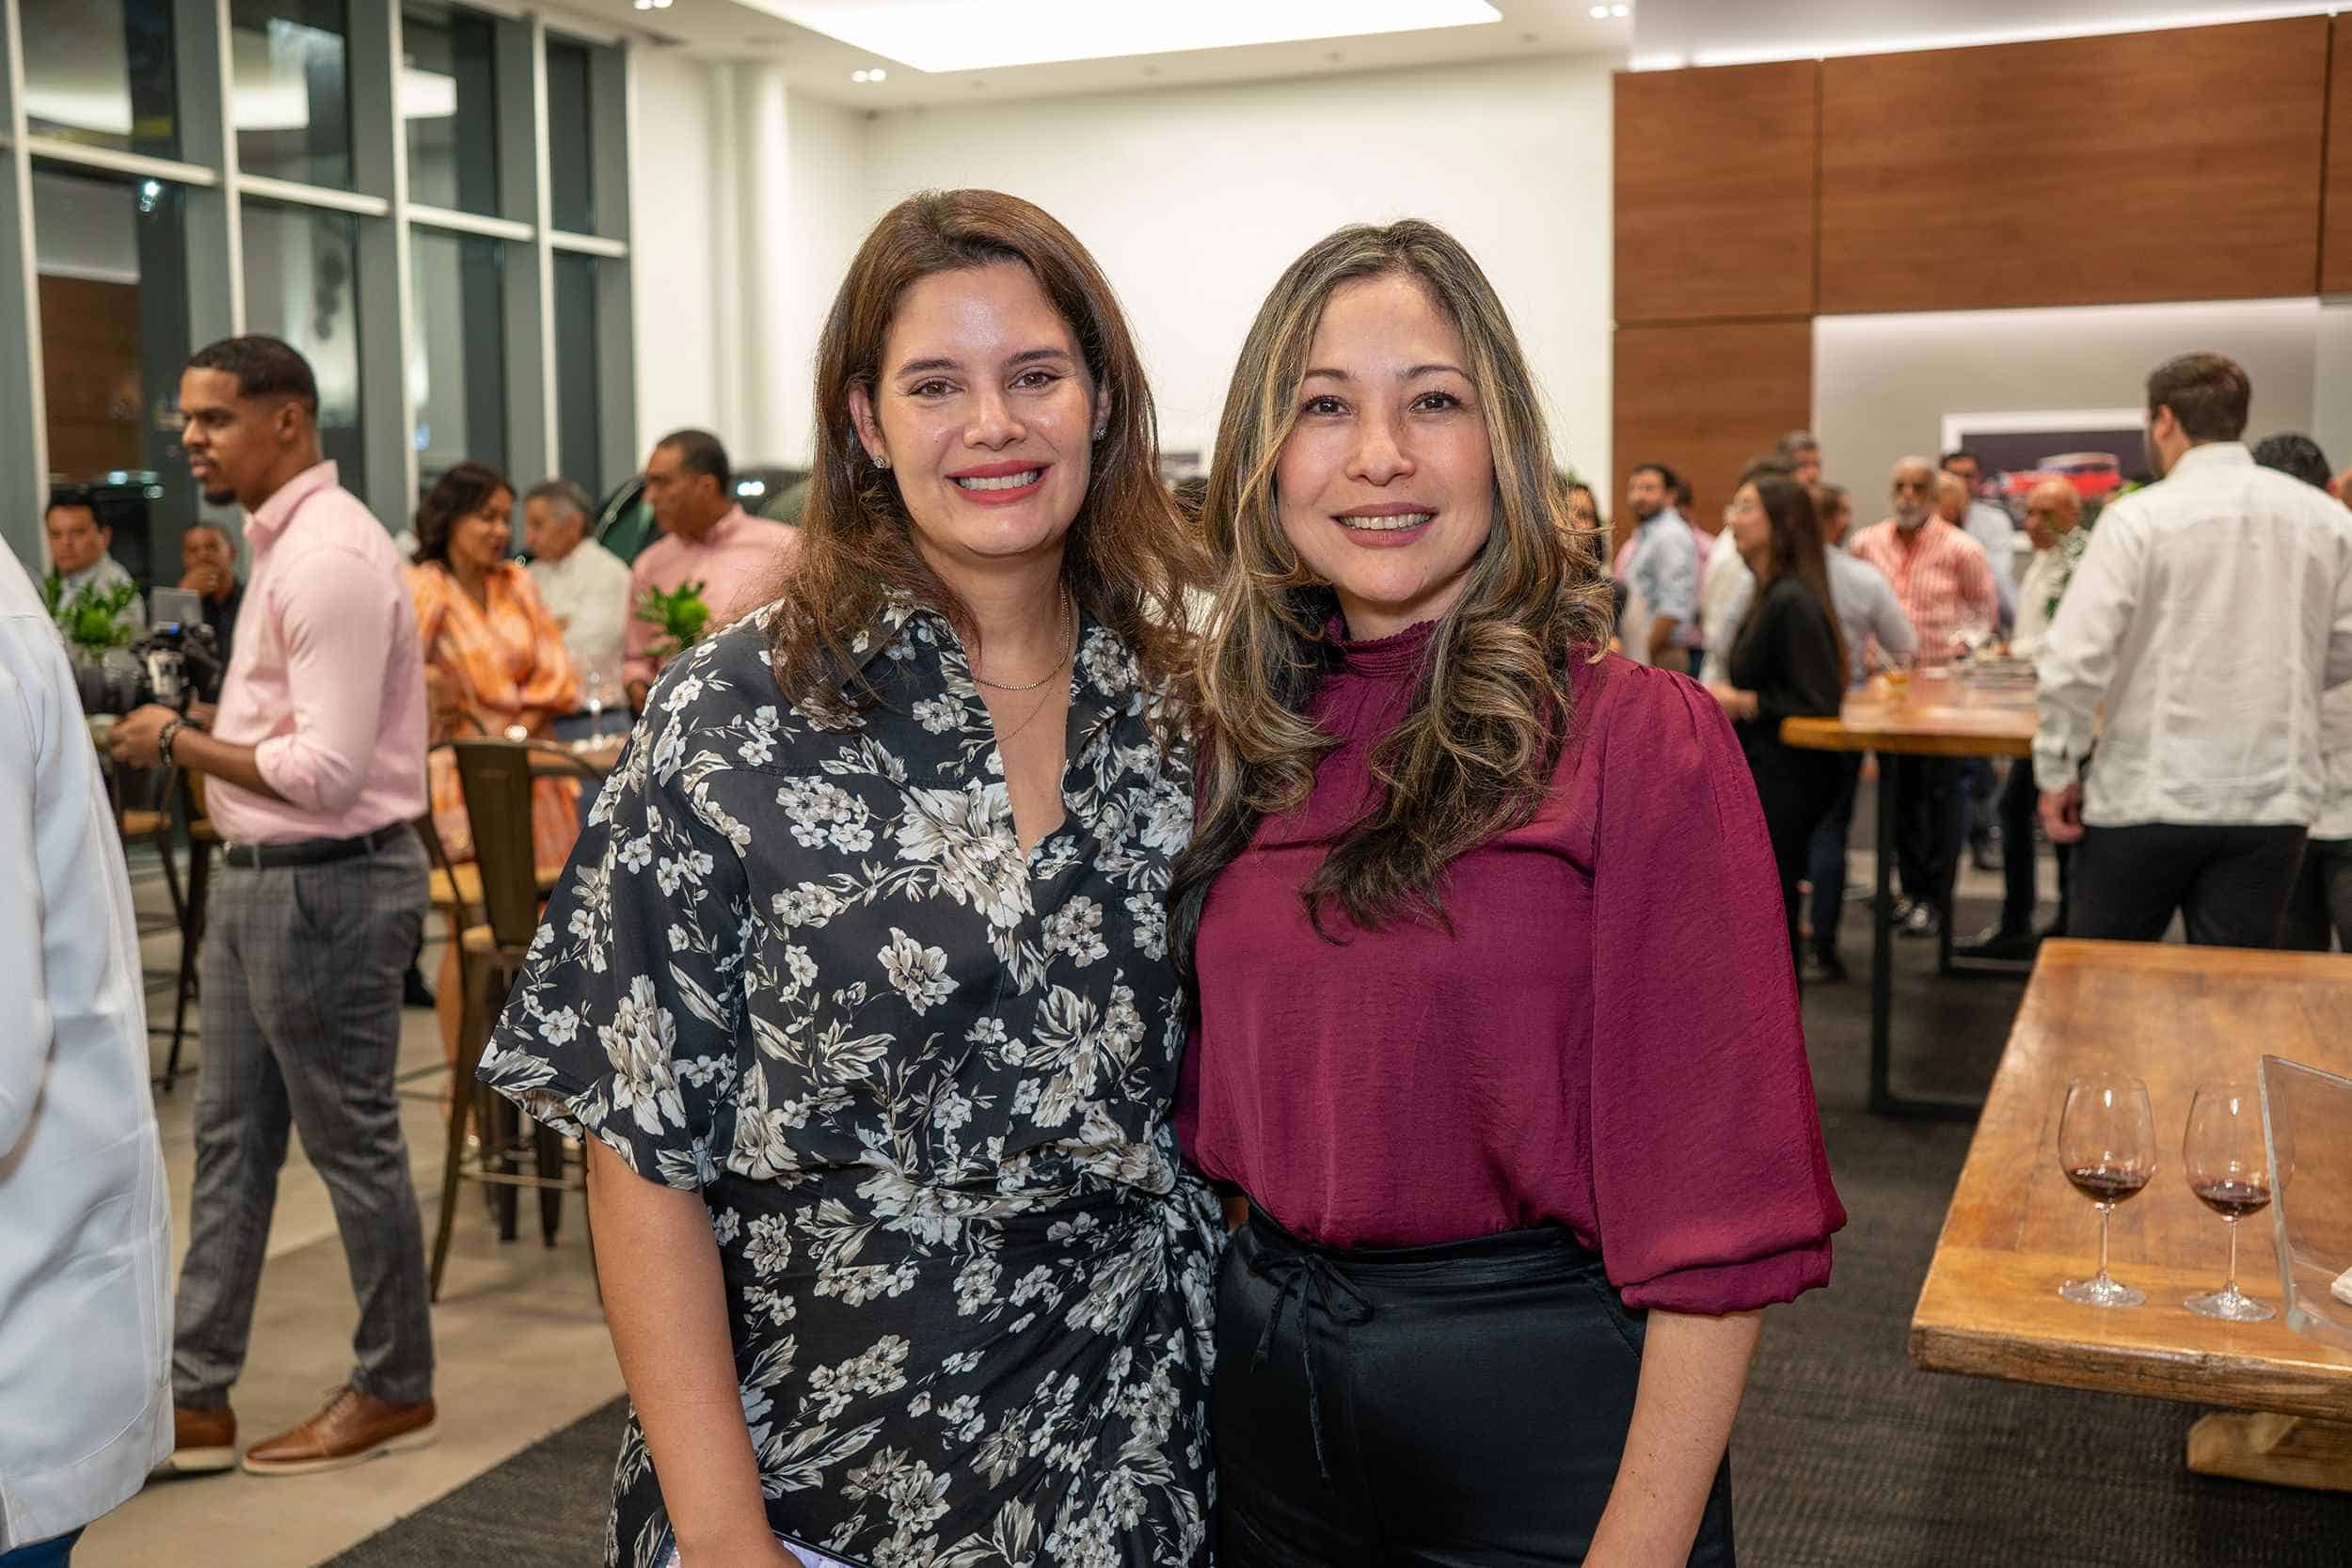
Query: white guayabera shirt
(85, 1228)
(2208, 614)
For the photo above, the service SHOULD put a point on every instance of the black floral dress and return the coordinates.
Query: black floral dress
(923, 1084)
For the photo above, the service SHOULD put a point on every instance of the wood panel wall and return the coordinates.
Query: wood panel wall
(2336, 251)
(2166, 165)
(1715, 186)
(1705, 398)
(89, 336)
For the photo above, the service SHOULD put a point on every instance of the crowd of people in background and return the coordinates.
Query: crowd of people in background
(989, 506)
(2195, 748)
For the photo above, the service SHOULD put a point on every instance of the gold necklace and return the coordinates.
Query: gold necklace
(1070, 628)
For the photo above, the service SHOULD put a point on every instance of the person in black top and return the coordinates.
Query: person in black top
(1788, 662)
(207, 566)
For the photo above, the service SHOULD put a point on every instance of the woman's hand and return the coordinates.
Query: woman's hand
(444, 705)
(1735, 703)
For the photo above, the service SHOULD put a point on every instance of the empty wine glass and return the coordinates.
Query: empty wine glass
(2107, 1148)
(2221, 1154)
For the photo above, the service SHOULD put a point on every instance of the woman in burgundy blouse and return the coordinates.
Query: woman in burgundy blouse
(1496, 1028)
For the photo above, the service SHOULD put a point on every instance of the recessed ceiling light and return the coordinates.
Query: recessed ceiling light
(946, 34)
(1613, 10)
(1598, 13)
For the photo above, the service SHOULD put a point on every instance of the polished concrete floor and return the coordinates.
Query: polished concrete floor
(517, 1333)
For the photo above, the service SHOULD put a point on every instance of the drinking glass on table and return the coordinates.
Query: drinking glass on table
(2221, 1154)
(2107, 1148)
(591, 690)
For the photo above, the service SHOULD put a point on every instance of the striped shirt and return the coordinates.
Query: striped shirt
(1940, 579)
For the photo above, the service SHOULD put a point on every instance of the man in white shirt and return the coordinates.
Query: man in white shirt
(2208, 614)
(2320, 913)
(84, 1223)
(584, 585)
(2054, 515)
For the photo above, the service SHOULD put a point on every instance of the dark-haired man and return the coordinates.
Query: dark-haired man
(1661, 573)
(705, 538)
(316, 759)
(78, 547)
(208, 568)
(2206, 617)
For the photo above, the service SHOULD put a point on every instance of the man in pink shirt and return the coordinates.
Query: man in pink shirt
(1943, 584)
(705, 538)
(316, 761)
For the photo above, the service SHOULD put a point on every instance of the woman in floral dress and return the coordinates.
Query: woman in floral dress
(858, 982)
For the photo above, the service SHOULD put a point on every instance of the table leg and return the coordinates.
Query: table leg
(1885, 1101)
(2283, 1450)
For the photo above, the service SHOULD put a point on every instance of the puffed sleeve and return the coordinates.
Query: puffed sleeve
(1711, 1188)
(627, 1020)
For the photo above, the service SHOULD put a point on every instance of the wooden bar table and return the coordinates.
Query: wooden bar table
(1921, 717)
(2173, 1017)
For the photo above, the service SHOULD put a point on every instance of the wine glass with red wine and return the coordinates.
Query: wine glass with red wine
(2107, 1148)
(2221, 1154)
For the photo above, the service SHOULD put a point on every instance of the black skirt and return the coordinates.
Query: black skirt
(1460, 1404)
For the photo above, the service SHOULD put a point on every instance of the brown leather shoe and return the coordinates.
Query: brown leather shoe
(203, 1442)
(353, 1426)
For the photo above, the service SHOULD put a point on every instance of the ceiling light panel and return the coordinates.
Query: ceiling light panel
(977, 35)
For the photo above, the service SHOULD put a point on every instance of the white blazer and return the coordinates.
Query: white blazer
(84, 1223)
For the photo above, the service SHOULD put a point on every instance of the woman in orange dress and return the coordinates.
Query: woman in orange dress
(494, 663)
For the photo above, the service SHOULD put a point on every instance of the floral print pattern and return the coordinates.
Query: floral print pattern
(923, 1081)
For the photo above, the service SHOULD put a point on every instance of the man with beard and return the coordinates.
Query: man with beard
(1661, 573)
(316, 758)
(1943, 583)
(2208, 617)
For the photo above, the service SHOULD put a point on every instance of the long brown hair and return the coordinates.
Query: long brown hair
(1475, 754)
(1128, 556)
(1795, 549)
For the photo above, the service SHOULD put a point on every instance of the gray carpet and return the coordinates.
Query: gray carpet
(1843, 1454)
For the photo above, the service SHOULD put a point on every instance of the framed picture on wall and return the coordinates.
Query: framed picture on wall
(2096, 450)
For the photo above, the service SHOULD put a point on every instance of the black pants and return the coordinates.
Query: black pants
(2230, 883)
(1928, 827)
(1797, 788)
(1825, 861)
(2020, 803)
(2322, 898)
(1451, 1407)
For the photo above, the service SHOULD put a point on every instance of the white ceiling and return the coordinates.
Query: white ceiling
(1671, 33)
(821, 66)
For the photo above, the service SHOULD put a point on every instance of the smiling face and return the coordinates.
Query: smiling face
(1385, 486)
(987, 415)
(552, 531)
(478, 540)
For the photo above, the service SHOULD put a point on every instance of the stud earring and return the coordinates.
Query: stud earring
(1100, 429)
(881, 460)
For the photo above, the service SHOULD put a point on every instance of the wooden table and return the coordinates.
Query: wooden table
(1924, 716)
(2173, 1017)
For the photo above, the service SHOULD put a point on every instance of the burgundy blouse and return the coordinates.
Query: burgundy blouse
(1609, 1041)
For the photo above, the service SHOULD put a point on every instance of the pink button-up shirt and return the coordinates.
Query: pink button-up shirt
(737, 563)
(326, 681)
(1942, 580)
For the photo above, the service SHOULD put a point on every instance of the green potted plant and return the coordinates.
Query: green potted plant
(93, 619)
(681, 616)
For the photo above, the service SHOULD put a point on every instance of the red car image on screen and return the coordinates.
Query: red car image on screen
(2095, 475)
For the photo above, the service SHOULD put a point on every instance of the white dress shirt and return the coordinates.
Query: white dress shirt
(1725, 588)
(84, 1226)
(2043, 588)
(588, 591)
(1867, 611)
(1988, 525)
(2207, 615)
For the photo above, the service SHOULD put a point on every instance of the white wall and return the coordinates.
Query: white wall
(679, 176)
(1193, 200)
(750, 200)
(1881, 385)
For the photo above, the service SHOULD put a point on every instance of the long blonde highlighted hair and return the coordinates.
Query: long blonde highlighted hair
(1475, 754)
